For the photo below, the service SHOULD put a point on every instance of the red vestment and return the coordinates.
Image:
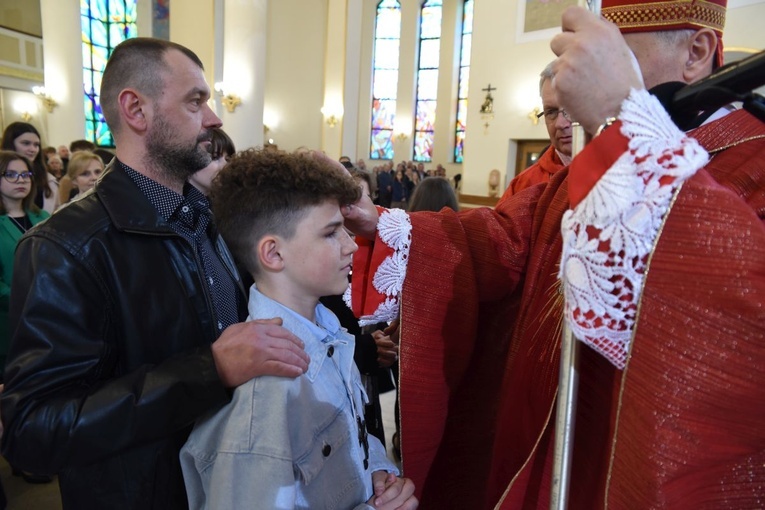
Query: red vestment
(681, 426)
(548, 164)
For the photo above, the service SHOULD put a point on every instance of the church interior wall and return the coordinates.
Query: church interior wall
(303, 51)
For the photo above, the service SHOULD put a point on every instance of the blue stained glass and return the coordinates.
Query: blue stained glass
(430, 23)
(427, 84)
(385, 84)
(98, 34)
(464, 81)
(105, 24)
(385, 78)
(116, 10)
(383, 114)
(117, 32)
(467, 45)
(388, 25)
(95, 9)
(426, 116)
(429, 53)
(386, 53)
(462, 91)
(427, 79)
(89, 109)
(87, 81)
(99, 59)
(467, 17)
(459, 146)
(423, 147)
(461, 114)
(382, 144)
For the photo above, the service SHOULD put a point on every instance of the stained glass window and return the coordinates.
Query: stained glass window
(427, 79)
(462, 90)
(385, 78)
(105, 24)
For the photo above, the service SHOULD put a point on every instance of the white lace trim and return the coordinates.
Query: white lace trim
(395, 229)
(608, 237)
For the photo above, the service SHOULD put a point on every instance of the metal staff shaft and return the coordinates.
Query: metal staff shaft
(568, 384)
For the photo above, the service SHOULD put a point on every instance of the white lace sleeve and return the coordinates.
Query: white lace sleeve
(395, 229)
(608, 237)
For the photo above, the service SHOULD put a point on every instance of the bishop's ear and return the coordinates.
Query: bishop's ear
(702, 48)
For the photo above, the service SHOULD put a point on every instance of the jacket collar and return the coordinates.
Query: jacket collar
(127, 207)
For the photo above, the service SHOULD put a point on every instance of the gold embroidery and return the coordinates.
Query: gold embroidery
(733, 144)
(658, 14)
(531, 454)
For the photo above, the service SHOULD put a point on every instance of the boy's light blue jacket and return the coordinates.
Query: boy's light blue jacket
(286, 443)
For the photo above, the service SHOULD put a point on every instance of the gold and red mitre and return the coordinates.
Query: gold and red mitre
(652, 16)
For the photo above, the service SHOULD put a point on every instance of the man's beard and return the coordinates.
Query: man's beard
(173, 158)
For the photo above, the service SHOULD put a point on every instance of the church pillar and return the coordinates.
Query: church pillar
(352, 73)
(407, 80)
(192, 25)
(244, 67)
(62, 57)
(334, 106)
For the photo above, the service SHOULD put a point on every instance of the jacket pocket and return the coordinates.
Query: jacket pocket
(330, 448)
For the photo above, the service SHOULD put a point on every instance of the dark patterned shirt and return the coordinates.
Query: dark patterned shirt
(189, 216)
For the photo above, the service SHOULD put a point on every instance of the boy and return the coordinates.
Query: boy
(291, 443)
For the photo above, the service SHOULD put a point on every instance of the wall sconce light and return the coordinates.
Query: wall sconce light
(230, 101)
(26, 116)
(331, 116)
(534, 115)
(401, 136)
(46, 99)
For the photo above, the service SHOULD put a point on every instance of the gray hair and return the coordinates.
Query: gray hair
(545, 75)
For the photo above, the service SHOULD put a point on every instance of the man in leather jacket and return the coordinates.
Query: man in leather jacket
(116, 303)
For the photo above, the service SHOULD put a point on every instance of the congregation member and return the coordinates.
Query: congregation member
(126, 306)
(84, 170)
(24, 138)
(221, 150)
(671, 399)
(558, 154)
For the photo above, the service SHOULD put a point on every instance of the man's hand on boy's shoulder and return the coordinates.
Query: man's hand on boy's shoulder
(255, 348)
(392, 492)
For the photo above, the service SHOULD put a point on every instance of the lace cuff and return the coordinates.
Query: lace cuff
(394, 229)
(609, 235)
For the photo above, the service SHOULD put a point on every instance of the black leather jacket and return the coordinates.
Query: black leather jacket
(110, 363)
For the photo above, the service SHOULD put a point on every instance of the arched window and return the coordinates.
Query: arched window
(462, 90)
(427, 79)
(105, 24)
(385, 78)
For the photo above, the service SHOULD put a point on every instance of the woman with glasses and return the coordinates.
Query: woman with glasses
(24, 139)
(18, 213)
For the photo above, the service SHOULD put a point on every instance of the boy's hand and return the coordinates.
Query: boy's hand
(255, 348)
(392, 492)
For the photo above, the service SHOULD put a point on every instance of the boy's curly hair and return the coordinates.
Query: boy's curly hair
(267, 191)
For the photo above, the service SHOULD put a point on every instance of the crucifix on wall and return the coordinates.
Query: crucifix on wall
(488, 103)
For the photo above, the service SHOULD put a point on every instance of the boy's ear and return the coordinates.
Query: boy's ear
(268, 253)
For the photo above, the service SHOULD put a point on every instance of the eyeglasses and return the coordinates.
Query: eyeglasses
(551, 114)
(13, 176)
